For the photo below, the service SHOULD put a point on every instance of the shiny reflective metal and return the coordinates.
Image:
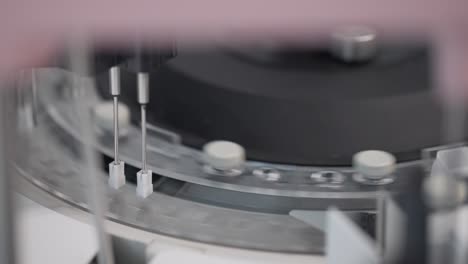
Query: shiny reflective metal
(143, 88)
(267, 174)
(114, 74)
(185, 164)
(116, 130)
(143, 99)
(329, 177)
(362, 179)
(354, 43)
(56, 168)
(221, 172)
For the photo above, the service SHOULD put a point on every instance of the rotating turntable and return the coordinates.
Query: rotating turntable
(240, 144)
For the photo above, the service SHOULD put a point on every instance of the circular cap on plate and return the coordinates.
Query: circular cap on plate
(224, 154)
(104, 116)
(374, 164)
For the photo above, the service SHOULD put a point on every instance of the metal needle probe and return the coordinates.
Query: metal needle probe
(115, 91)
(143, 94)
(144, 176)
(143, 136)
(117, 167)
(143, 99)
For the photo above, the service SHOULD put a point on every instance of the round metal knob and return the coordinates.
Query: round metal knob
(354, 43)
(374, 164)
(224, 155)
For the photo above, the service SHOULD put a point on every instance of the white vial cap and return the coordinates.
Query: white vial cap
(224, 155)
(374, 164)
(104, 117)
(144, 183)
(116, 174)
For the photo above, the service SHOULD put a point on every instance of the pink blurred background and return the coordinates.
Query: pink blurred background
(31, 31)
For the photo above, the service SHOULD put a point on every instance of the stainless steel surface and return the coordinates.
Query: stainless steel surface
(267, 174)
(143, 88)
(143, 137)
(114, 81)
(362, 179)
(354, 43)
(115, 91)
(116, 130)
(328, 178)
(58, 171)
(143, 99)
(161, 213)
(176, 161)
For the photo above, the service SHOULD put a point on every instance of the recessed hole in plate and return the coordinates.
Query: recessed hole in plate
(329, 177)
(267, 174)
